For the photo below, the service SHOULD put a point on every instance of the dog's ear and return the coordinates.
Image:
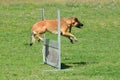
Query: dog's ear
(76, 19)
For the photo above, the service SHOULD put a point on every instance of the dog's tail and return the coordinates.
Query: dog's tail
(32, 38)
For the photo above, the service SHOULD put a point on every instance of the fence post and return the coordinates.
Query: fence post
(43, 36)
(59, 42)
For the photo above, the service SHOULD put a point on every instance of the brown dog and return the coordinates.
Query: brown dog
(51, 26)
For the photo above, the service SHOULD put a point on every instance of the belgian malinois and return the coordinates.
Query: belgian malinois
(52, 26)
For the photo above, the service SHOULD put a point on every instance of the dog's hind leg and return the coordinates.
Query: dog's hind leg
(38, 37)
(33, 36)
(32, 40)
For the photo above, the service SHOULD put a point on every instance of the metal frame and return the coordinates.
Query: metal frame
(52, 48)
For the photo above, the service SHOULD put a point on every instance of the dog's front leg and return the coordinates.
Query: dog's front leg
(70, 36)
(70, 28)
(71, 40)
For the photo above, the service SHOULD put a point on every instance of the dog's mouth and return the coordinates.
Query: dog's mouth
(79, 25)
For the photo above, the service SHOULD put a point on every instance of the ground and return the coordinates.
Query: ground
(94, 57)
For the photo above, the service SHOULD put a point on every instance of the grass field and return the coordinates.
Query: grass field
(96, 55)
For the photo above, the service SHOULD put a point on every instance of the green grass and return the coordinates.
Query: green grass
(96, 55)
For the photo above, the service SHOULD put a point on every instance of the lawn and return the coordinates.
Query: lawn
(96, 55)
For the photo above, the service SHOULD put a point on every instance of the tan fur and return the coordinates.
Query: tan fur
(51, 26)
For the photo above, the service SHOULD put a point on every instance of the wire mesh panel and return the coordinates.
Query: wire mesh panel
(51, 53)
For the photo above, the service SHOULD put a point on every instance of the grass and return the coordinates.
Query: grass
(94, 57)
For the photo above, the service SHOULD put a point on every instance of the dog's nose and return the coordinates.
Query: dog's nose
(81, 24)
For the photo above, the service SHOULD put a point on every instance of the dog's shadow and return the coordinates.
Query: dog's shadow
(64, 66)
(83, 63)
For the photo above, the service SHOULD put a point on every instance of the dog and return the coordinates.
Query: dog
(52, 26)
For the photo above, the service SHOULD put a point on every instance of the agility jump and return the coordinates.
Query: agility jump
(52, 48)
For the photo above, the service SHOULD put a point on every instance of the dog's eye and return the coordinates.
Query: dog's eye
(73, 22)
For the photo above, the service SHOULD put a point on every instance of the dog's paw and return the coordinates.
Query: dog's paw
(31, 44)
(38, 40)
(75, 39)
(71, 41)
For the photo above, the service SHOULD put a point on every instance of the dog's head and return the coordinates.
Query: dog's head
(75, 22)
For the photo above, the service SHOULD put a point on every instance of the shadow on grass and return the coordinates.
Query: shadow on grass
(64, 66)
(26, 44)
(83, 63)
